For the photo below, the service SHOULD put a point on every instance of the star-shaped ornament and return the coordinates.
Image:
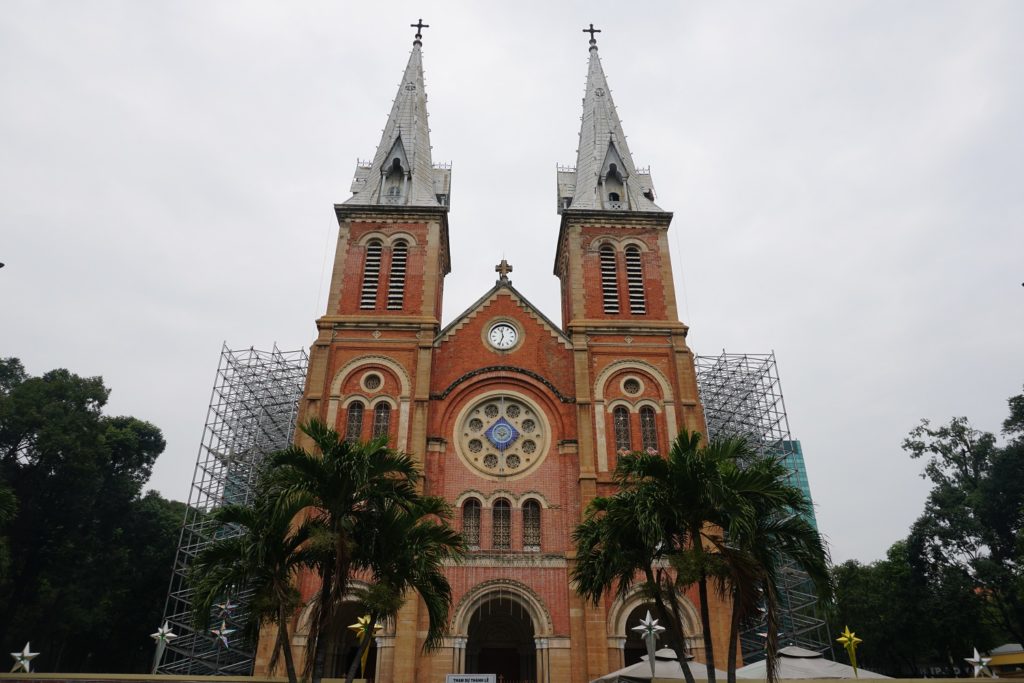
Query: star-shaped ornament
(648, 626)
(224, 609)
(23, 659)
(649, 630)
(221, 634)
(362, 625)
(979, 663)
(850, 641)
(164, 634)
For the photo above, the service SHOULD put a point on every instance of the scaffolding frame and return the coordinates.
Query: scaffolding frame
(253, 410)
(742, 396)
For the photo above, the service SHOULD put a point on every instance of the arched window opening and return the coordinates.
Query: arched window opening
(635, 280)
(471, 523)
(620, 421)
(648, 428)
(354, 423)
(396, 280)
(615, 187)
(531, 525)
(394, 182)
(501, 523)
(371, 275)
(381, 419)
(609, 279)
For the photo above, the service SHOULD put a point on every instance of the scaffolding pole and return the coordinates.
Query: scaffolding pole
(252, 413)
(742, 396)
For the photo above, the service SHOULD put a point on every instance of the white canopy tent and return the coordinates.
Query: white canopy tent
(796, 662)
(666, 667)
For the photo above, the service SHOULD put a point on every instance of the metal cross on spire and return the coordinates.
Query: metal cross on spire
(419, 26)
(592, 31)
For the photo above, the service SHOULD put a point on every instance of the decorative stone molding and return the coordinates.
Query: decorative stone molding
(440, 396)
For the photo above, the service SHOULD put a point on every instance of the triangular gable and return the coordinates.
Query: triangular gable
(480, 304)
(612, 156)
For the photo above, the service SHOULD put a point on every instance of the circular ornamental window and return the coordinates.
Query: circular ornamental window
(502, 435)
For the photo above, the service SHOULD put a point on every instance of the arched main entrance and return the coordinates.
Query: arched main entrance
(501, 641)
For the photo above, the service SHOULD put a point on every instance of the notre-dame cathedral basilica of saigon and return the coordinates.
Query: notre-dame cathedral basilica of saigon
(515, 420)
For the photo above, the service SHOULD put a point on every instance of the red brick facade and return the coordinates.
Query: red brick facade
(577, 378)
(516, 421)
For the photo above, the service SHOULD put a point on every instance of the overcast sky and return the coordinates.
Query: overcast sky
(847, 180)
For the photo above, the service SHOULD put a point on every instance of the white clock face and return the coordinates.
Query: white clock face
(503, 336)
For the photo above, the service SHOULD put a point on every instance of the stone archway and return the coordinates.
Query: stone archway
(501, 640)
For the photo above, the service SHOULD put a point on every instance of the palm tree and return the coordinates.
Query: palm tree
(679, 498)
(263, 557)
(612, 553)
(344, 482)
(406, 549)
(770, 531)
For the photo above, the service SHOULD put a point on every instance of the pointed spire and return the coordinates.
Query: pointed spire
(402, 172)
(605, 177)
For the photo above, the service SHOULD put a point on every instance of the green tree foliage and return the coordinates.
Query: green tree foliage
(87, 556)
(973, 522)
(716, 513)
(956, 582)
(767, 524)
(263, 556)
(909, 623)
(357, 492)
(405, 548)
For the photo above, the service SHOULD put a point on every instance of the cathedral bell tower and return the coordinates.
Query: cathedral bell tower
(636, 385)
(370, 365)
(618, 296)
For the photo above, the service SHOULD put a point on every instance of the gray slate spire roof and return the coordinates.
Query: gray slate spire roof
(402, 172)
(602, 145)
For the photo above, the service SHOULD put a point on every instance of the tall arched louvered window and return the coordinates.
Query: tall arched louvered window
(501, 525)
(648, 428)
(609, 279)
(381, 419)
(635, 280)
(471, 522)
(371, 275)
(531, 525)
(620, 422)
(354, 421)
(396, 279)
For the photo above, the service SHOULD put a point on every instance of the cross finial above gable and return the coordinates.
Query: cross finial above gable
(592, 31)
(503, 269)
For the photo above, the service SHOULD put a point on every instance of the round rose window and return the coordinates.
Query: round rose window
(502, 436)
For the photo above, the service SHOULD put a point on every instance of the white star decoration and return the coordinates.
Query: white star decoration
(222, 633)
(979, 663)
(23, 659)
(649, 630)
(164, 634)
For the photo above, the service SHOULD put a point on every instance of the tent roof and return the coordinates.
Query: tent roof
(797, 662)
(666, 666)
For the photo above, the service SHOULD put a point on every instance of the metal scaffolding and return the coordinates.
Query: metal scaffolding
(252, 413)
(742, 396)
